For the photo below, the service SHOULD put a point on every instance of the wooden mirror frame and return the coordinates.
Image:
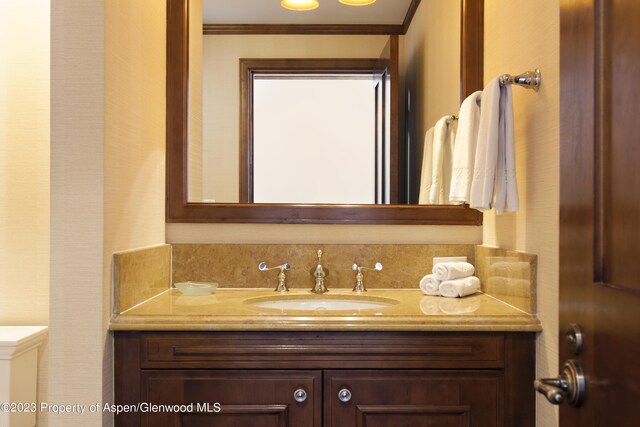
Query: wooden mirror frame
(178, 209)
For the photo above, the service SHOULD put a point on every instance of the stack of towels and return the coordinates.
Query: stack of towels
(473, 160)
(451, 279)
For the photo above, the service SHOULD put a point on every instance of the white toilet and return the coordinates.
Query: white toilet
(19, 373)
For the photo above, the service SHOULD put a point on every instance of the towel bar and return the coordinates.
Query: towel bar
(528, 80)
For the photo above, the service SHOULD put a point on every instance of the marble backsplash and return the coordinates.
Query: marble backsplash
(141, 274)
(236, 266)
(510, 276)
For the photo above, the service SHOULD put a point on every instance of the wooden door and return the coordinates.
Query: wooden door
(600, 206)
(412, 398)
(231, 398)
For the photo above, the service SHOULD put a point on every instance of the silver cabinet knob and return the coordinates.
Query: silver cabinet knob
(344, 395)
(300, 395)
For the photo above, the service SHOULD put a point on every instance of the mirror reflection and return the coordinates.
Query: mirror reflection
(295, 140)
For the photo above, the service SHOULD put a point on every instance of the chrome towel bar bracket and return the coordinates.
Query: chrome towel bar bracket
(528, 80)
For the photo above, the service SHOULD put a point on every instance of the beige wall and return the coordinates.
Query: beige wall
(107, 179)
(24, 163)
(430, 64)
(320, 233)
(134, 145)
(76, 338)
(24, 167)
(519, 38)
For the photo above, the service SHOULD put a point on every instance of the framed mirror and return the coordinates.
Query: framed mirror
(182, 206)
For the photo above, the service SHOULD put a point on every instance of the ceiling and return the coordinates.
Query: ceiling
(330, 12)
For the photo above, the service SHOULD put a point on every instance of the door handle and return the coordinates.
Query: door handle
(569, 386)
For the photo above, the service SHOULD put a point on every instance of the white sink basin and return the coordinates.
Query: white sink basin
(321, 302)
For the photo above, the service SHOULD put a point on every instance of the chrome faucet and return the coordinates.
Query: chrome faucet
(282, 285)
(359, 287)
(319, 272)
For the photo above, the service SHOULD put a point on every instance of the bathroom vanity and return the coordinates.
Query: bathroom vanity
(420, 361)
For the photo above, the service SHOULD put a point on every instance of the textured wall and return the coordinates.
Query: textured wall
(107, 179)
(319, 233)
(134, 143)
(24, 167)
(522, 37)
(77, 334)
(24, 162)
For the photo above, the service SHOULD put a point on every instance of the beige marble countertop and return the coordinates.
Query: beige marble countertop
(228, 310)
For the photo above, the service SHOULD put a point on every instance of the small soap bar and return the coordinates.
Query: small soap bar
(196, 288)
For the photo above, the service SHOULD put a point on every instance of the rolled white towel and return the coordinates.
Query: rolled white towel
(429, 285)
(460, 287)
(452, 270)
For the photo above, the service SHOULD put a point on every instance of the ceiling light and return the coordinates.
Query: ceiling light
(300, 4)
(357, 2)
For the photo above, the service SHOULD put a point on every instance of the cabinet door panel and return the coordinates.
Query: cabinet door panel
(245, 398)
(414, 399)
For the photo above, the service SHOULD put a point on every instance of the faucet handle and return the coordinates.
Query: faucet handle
(282, 286)
(359, 287)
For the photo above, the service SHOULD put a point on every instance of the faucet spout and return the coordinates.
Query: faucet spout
(319, 273)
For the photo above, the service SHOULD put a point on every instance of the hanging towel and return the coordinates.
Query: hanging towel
(443, 141)
(452, 270)
(506, 189)
(429, 285)
(460, 287)
(425, 174)
(464, 151)
(493, 183)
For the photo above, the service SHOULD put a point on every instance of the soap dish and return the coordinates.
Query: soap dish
(196, 288)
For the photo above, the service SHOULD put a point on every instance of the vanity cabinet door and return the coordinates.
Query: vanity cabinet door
(245, 398)
(413, 399)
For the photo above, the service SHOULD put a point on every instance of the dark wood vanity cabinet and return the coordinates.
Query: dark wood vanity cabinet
(340, 379)
(255, 398)
(412, 398)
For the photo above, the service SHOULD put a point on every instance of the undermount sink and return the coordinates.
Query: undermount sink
(321, 302)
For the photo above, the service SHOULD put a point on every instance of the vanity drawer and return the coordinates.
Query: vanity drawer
(324, 350)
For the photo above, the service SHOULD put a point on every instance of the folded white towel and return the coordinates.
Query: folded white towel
(425, 171)
(464, 152)
(452, 270)
(443, 145)
(460, 287)
(494, 176)
(429, 285)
